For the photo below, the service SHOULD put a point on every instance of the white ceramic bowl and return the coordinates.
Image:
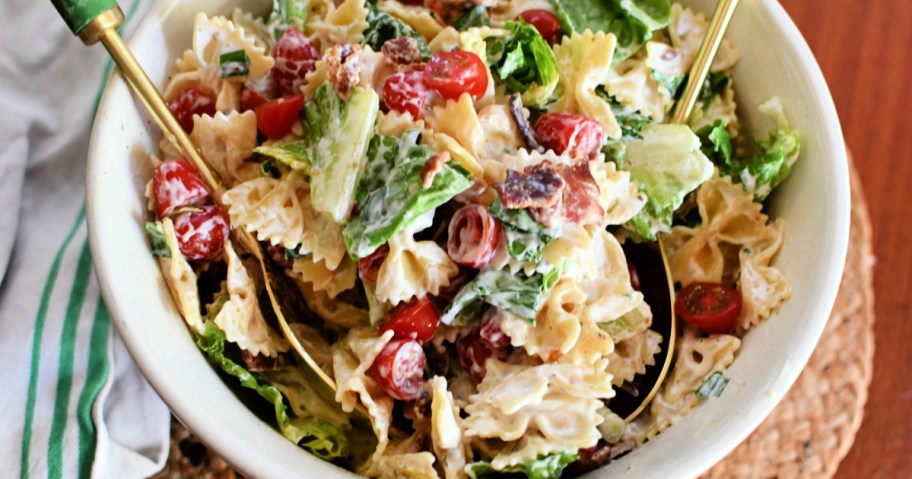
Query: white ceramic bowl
(814, 202)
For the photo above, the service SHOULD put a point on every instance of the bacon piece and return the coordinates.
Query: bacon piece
(539, 187)
(344, 67)
(594, 457)
(579, 202)
(433, 166)
(447, 11)
(259, 363)
(522, 123)
(401, 51)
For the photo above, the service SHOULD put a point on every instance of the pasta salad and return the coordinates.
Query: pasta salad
(448, 184)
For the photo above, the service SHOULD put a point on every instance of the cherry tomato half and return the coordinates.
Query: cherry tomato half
(418, 320)
(453, 73)
(250, 99)
(399, 368)
(406, 92)
(474, 353)
(545, 22)
(710, 307)
(275, 118)
(192, 101)
(201, 234)
(369, 266)
(575, 135)
(473, 236)
(295, 57)
(176, 184)
(490, 330)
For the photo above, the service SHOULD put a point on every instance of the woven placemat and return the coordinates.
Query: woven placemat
(806, 436)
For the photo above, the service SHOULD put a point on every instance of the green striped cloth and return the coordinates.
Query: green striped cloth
(73, 402)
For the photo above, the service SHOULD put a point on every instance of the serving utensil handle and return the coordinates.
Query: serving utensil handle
(79, 13)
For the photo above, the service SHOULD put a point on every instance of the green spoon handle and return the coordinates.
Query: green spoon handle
(78, 13)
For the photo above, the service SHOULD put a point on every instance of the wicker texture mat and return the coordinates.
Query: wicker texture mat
(808, 433)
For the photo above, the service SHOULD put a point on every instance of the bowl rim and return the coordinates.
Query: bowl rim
(254, 461)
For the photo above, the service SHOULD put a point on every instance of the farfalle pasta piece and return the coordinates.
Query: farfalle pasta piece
(610, 295)
(447, 432)
(270, 208)
(352, 357)
(731, 222)
(620, 197)
(687, 31)
(403, 459)
(634, 86)
(225, 141)
(501, 137)
(631, 356)
(459, 120)
(538, 409)
(413, 269)
(240, 317)
(445, 41)
(584, 63)
(695, 359)
(417, 17)
(322, 278)
(763, 288)
(181, 280)
(720, 107)
(254, 26)
(343, 24)
(218, 35)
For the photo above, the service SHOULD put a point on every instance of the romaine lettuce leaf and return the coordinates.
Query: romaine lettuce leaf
(293, 154)
(520, 295)
(157, 239)
(715, 142)
(668, 164)
(287, 14)
(623, 18)
(316, 435)
(391, 196)
(542, 467)
(526, 238)
(524, 62)
(336, 134)
(381, 26)
(630, 122)
(474, 17)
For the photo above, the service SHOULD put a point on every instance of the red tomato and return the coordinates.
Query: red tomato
(417, 320)
(406, 92)
(545, 22)
(202, 233)
(250, 99)
(399, 368)
(453, 73)
(174, 185)
(709, 307)
(369, 266)
(192, 101)
(490, 330)
(275, 118)
(575, 135)
(295, 57)
(473, 236)
(474, 353)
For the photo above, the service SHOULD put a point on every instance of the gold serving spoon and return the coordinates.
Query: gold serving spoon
(629, 404)
(97, 21)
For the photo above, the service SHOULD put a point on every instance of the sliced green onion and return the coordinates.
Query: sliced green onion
(234, 64)
(712, 386)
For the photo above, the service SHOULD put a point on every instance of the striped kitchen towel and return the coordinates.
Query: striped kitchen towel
(73, 403)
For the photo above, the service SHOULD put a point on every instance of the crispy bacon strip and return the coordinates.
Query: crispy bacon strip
(539, 187)
(522, 123)
(344, 67)
(401, 51)
(433, 166)
(260, 363)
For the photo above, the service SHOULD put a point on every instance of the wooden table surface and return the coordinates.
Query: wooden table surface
(865, 51)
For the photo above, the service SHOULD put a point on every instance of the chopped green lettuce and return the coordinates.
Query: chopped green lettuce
(390, 195)
(631, 122)
(668, 164)
(474, 17)
(714, 84)
(520, 295)
(542, 467)
(762, 172)
(524, 62)
(526, 238)
(287, 14)
(712, 386)
(316, 435)
(157, 239)
(631, 21)
(672, 83)
(270, 169)
(296, 154)
(381, 26)
(337, 133)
